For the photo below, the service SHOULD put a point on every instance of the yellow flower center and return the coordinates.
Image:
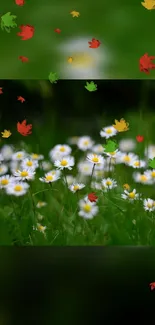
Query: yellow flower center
(137, 163)
(82, 60)
(76, 187)
(131, 195)
(18, 188)
(109, 131)
(24, 174)
(108, 183)
(35, 156)
(85, 169)
(153, 174)
(112, 153)
(62, 149)
(29, 163)
(1, 169)
(19, 155)
(95, 159)
(127, 158)
(143, 178)
(149, 205)
(87, 208)
(86, 142)
(4, 181)
(41, 228)
(49, 178)
(53, 173)
(64, 162)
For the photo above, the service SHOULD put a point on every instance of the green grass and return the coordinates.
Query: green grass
(113, 225)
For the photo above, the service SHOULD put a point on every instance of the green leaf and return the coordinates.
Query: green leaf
(53, 77)
(110, 146)
(152, 163)
(91, 86)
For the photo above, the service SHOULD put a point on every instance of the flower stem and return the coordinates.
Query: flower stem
(92, 175)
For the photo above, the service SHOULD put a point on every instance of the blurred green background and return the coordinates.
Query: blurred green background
(123, 27)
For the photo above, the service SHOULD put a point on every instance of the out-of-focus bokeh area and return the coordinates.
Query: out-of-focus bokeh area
(123, 27)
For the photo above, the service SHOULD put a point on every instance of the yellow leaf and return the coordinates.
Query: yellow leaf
(121, 125)
(149, 4)
(6, 134)
(75, 13)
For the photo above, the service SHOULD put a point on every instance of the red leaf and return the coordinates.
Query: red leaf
(140, 138)
(92, 197)
(24, 129)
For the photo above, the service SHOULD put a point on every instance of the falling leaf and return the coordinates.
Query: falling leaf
(75, 13)
(94, 43)
(152, 285)
(121, 125)
(110, 146)
(53, 77)
(23, 58)
(91, 86)
(7, 22)
(24, 129)
(57, 30)
(21, 99)
(6, 134)
(152, 163)
(146, 64)
(1, 91)
(92, 197)
(148, 4)
(140, 138)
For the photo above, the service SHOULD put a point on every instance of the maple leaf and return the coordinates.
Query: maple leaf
(21, 99)
(92, 197)
(121, 125)
(110, 146)
(91, 86)
(75, 13)
(140, 138)
(152, 163)
(53, 77)
(148, 4)
(6, 134)
(1, 91)
(152, 285)
(24, 129)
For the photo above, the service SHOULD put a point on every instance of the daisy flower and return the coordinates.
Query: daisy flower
(19, 155)
(98, 149)
(46, 165)
(40, 217)
(109, 183)
(113, 154)
(86, 63)
(87, 209)
(25, 174)
(131, 196)
(95, 159)
(142, 178)
(127, 158)
(1, 157)
(85, 143)
(41, 204)
(3, 169)
(150, 174)
(40, 228)
(49, 178)
(29, 163)
(96, 186)
(149, 205)
(76, 187)
(6, 180)
(108, 132)
(85, 168)
(127, 145)
(150, 151)
(65, 162)
(70, 179)
(62, 149)
(17, 188)
(73, 140)
(7, 152)
(138, 164)
(35, 156)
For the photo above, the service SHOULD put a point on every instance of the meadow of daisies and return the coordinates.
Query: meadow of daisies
(81, 195)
